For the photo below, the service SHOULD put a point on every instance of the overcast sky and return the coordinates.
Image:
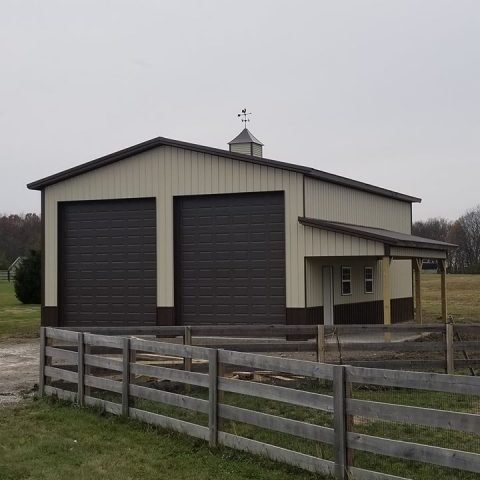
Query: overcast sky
(387, 92)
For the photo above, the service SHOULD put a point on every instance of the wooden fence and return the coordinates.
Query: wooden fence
(4, 275)
(332, 343)
(339, 404)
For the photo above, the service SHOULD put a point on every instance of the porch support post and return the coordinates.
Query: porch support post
(387, 317)
(417, 266)
(443, 272)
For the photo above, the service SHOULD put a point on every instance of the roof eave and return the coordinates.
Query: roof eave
(162, 141)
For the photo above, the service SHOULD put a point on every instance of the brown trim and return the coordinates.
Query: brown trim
(165, 316)
(387, 240)
(314, 315)
(162, 141)
(402, 309)
(42, 246)
(372, 312)
(49, 316)
(296, 316)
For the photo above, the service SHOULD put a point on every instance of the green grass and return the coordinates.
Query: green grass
(50, 440)
(463, 296)
(16, 319)
(392, 430)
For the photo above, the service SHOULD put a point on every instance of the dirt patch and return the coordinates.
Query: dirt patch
(18, 369)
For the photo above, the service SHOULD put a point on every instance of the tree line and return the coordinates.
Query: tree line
(19, 234)
(464, 232)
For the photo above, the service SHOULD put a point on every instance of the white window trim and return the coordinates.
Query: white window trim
(342, 281)
(365, 280)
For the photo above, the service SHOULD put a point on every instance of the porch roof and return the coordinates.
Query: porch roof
(388, 237)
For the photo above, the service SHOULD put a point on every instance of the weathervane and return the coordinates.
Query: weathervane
(245, 118)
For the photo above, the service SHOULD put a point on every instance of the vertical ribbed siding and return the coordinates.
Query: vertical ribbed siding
(329, 201)
(400, 273)
(163, 173)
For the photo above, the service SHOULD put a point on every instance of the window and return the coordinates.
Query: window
(346, 280)
(368, 279)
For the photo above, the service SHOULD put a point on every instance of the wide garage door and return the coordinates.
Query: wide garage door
(107, 263)
(230, 258)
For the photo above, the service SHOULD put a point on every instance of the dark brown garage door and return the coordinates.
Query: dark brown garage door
(107, 263)
(230, 258)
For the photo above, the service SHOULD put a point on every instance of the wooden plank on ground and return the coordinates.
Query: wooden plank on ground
(465, 422)
(444, 457)
(175, 399)
(297, 428)
(181, 426)
(281, 394)
(263, 362)
(307, 462)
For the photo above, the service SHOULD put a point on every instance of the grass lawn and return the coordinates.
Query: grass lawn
(463, 296)
(48, 440)
(16, 320)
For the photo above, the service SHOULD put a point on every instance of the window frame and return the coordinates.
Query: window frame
(349, 281)
(366, 280)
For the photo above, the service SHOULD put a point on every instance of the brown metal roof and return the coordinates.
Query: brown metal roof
(389, 237)
(245, 136)
(162, 141)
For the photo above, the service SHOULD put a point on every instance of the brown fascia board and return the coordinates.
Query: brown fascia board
(162, 141)
(388, 241)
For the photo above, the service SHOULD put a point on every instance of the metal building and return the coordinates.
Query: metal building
(167, 232)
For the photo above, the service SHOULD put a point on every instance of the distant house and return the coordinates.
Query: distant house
(167, 232)
(12, 269)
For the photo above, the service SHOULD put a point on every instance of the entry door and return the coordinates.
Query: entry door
(327, 285)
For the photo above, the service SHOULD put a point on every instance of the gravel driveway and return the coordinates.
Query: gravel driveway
(18, 369)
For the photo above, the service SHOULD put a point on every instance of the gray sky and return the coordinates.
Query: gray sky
(386, 92)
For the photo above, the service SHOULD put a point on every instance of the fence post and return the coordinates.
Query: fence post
(213, 397)
(340, 421)
(187, 340)
(321, 343)
(125, 375)
(43, 343)
(449, 348)
(81, 370)
(87, 370)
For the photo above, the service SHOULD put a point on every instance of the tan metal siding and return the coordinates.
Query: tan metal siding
(401, 280)
(323, 243)
(168, 171)
(329, 201)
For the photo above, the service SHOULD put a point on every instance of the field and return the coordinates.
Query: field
(16, 320)
(463, 296)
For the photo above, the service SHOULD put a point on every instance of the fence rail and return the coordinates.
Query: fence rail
(340, 404)
(330, 343)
